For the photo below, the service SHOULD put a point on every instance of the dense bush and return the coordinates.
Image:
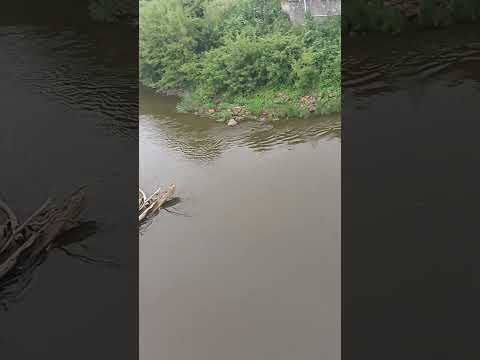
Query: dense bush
(234, 51)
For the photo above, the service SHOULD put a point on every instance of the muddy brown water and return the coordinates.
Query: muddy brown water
(247, 264)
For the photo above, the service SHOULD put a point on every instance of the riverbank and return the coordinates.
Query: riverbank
(266, 105)
(240, 60)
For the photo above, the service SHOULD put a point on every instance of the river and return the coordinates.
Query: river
(69, 108)
(410, 189)
(247, 264)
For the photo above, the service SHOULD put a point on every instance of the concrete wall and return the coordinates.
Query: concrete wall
(324, 7)
(318, 8)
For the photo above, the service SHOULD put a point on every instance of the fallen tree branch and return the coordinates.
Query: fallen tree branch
(11, 215)
(22, 243)
(141, 198)
(154, 202)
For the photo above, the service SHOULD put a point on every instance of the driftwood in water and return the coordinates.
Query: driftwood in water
(154, 202)
(23, 242)
(141, 198)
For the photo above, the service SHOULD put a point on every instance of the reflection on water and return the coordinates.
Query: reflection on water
(247, 264)
(16, 283)
(204, 139)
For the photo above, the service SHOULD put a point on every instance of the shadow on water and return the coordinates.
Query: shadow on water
(72, 243)
(169, 207)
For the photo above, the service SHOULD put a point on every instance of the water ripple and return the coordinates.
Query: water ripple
(410, 62)
(80, 75)
(205, 140)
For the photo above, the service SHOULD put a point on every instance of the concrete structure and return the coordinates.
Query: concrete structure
(296, 9)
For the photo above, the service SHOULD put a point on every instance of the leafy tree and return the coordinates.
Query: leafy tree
(229, 50)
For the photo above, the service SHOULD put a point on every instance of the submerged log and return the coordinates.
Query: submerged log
(25, 241)
(149, 205)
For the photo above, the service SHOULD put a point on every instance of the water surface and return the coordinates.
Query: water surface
(247, 265)
(409, 181)
(69, 119)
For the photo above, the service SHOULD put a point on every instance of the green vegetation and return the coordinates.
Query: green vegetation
(365, 16)
(242, 55)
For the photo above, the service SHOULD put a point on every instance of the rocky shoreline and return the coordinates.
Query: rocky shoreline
(232, 116)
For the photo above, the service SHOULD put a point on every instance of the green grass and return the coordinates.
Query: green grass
(269, 104)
